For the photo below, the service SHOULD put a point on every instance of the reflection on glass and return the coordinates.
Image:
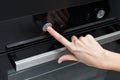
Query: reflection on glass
(63, 19)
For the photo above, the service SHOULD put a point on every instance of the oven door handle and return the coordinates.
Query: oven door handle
(54, 54)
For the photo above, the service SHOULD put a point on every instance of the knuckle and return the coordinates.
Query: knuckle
(81, 38)
(59, 38)
(89, 36)
(77, 41)
(70, 47)
(74, 50)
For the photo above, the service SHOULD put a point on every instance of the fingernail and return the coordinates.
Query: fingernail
(48, 27)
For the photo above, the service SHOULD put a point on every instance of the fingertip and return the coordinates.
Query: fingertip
(47, 26)
(81, 38)
(61, 59)
(50, 30)
(58, 37)
(67, 57)
(73, 38)
(59, 62)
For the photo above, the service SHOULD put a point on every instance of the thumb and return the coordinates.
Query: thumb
(67, 57)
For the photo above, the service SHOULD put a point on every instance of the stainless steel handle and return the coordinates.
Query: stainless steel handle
(52, 55)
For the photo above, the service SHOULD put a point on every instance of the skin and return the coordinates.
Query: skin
(88, 51)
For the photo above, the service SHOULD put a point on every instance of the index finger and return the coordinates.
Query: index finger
(58, 36)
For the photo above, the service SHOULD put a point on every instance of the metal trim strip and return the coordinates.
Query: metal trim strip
(52, 55)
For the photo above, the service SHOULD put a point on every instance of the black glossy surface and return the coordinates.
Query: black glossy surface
(14, 9)
(23, 27)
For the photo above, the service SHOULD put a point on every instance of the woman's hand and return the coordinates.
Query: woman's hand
(87, 50)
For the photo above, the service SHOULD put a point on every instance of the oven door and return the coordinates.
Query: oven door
(44, 66)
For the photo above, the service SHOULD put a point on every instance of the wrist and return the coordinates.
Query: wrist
(112, 61)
